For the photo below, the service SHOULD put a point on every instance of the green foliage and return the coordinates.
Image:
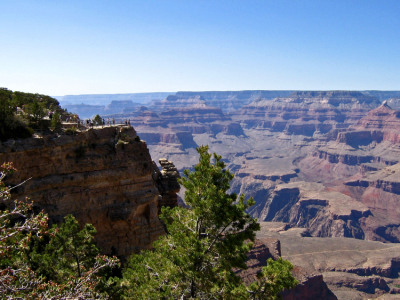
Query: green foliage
(98, 120)
(55, 123)
(32, 109)
(36, 263)
(203, 245)
(69, 252)
(20, 99)
(71, 131)
(274, 278)
(10, 125)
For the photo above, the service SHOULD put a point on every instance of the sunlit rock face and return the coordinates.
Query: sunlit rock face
(362, 163)
(101, 176)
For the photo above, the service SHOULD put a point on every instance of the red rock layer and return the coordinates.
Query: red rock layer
(380, 124)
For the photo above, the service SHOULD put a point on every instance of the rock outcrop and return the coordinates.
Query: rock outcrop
(324, 213)
(102, 176)
(362, 163)
(167, 183)
(380, 124)
(311, 285)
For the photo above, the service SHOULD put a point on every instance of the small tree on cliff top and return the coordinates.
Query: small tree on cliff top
(203, 244)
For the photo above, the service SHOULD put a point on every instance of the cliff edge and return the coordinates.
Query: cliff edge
(102, 176)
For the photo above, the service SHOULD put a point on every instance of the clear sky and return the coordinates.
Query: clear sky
(96, 46)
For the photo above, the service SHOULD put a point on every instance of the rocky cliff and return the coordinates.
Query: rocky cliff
(102, 176)
(167, 184)
(380, 124)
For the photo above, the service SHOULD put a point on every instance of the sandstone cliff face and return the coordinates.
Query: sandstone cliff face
(101, 176)
(167, 184)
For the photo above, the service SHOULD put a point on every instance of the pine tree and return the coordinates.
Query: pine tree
(204, 244)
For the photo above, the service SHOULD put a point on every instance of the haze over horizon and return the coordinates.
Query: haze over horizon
(102, 47)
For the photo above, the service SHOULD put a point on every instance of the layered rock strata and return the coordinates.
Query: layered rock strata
(362, 163)
(167, 183)
(311, 285)
(226, 100)
(380, 124)
(101, 176)
(307, 113)
(352, 268)
(324, 213)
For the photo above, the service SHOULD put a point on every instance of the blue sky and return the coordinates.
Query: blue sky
(79, 47)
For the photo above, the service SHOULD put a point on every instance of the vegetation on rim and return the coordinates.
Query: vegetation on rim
(23, 113)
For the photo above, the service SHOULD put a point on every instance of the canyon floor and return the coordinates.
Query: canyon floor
(352, 268)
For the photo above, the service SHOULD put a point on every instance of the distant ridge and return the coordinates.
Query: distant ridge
(104, 99)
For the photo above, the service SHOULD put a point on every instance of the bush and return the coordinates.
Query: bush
(71, 131)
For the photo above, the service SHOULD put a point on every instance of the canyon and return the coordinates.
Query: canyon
(103, 176)
(322, 161)
(322, 166)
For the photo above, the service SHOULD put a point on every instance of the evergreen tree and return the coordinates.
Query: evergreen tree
(97, 120)
(55, 122)
(10, 125)
(273, 278)
(69, 252)
(203, 245)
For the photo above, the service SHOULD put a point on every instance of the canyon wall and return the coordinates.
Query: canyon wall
(102, 176)
(306, 112)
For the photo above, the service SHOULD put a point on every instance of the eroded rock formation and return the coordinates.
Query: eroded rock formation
(306, 113)
(352, 268)
(311, 285)
(102, 176)
(167, 183)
